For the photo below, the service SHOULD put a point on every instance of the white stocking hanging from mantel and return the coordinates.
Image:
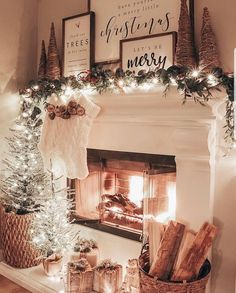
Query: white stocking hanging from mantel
(64, 141)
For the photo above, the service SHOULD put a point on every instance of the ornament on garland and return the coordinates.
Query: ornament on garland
(42, 71)
(208, 51)
(53, 63)
(185, 50)
(63, 111)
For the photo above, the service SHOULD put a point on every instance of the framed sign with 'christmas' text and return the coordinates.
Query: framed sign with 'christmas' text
(78, 43)
(126, 19)
(148, 53)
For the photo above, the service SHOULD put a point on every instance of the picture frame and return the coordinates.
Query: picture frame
(78, 43)
(125, 19)
(148, 53)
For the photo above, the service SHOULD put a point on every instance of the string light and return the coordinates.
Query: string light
(121, 83)
(211, 80)
(36, 87)
(195, 73)
(155, 80)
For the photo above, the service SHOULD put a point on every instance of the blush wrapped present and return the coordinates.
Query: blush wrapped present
(86, 249)
(107, 277)
(79, 277)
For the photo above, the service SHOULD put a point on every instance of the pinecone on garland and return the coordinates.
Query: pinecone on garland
(185, 50)
(53, 64)
(43, 62)
(208, 52)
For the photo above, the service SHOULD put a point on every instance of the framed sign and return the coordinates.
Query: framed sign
(148, 53)
(78, 43)
(124, 19)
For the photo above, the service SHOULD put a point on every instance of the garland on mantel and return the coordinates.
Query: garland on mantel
(192, 84)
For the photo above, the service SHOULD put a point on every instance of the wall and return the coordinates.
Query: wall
(223, 20)
(55, 11)
(224, 256)
(224, 27)
(18, 53)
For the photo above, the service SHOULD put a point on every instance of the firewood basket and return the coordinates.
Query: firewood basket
(149, 284)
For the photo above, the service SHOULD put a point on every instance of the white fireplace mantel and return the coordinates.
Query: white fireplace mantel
(147, 122)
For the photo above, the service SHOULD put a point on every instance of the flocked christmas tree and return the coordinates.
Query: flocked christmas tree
(24, 184)
(185, 50)
(208, 52)
(51, 229)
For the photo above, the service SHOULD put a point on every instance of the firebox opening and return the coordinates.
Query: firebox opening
(123, 189)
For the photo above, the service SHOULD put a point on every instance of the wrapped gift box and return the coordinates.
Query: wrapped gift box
(91, 256)
(107, 277)
(79, 277)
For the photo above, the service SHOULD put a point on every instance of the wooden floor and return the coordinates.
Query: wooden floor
(7, 286)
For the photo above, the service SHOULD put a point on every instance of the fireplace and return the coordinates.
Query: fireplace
(143, 121)
(124, 188)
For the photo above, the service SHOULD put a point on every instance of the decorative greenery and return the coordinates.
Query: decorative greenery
(192, 84)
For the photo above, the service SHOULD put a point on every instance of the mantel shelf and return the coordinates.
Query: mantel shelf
(151, 105)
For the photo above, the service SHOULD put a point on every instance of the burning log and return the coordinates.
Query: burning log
(120, 203)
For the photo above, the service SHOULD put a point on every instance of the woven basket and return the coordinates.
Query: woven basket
(1, 213)
(148, 284)
(17, 250)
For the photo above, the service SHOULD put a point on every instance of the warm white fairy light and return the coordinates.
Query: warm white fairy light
(69, 91)
(36, 87)
(211, 80)
(133, 84)
(173, 81)
(121, 83)
(155, 80)
(195, 73)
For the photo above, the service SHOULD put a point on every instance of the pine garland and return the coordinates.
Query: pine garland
(191, 84)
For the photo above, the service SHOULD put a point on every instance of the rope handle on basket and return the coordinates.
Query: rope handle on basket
(145, 248)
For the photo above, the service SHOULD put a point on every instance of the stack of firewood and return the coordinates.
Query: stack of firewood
(180, 253)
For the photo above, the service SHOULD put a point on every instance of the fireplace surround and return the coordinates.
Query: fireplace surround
(143, 121)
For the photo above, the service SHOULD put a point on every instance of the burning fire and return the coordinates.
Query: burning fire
(136, 190)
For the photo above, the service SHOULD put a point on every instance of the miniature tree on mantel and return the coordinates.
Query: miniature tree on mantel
(53, 62)
(42, 71)
(185, 50)
(208, 51)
